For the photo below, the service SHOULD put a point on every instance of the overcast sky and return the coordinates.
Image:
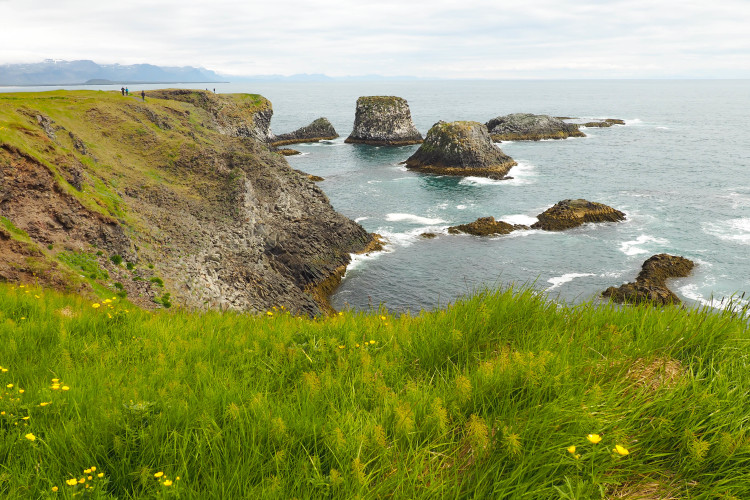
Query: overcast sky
(435, 38)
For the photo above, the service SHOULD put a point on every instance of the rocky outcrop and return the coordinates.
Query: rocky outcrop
(651, 284)
(460, 148)
(567, 214)
(607, 122)
(486, 226)
(529, 127)
(319, 130)
(222, 220)
(235, 115)
(383, 121)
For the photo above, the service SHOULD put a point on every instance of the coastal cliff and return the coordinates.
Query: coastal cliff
(177, 199)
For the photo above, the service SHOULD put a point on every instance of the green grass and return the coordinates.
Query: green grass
(478, 400)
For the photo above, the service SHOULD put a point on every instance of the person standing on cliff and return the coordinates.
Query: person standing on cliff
(122, 90)
(143, 95)
(127, 91)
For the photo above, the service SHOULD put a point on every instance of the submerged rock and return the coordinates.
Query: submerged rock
(319, 130)
(460, 148)
(651, 283)
(287, 152)
(529, 127)
(567, 214)
(486, 226)
(383, 121)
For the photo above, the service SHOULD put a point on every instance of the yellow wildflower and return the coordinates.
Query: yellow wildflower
(21, 391)
(82, 480)
(55, 380)
(342, 346)
(159, 474)
(65, 388)
(571, 449)
(167, 483)
(87, 471)
(54, 488)
(177, 478)
(2, 413)
(30, 437)
(356, 345)
(594, 438)
(577, 456)
(37, 297)
(372, 342)
(55, 387)
(90, 478)
(269, 313)
(72, 482)
(106, 301)
(621, 450)
(26, 418)
(45, 403)
(9, 386)
(5, 370)
(96, 305)
(101, 474)
(93, 469)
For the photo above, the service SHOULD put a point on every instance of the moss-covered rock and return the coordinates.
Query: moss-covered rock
(486, 226)
(567, 214)
(383, 121)
(651, 284)
(319, 130)
(460, 148)
(606, 123)
(530, 127)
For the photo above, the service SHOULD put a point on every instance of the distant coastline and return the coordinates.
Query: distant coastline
(102, 83)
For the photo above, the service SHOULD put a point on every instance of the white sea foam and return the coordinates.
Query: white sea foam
(360, 219)
(662, 128)
(373, 181)
(461, 207)
(524, 219)
(634, 247)
(735, 230)
(523, 173)
(565, 278)
(691, 292)
(634, 121)
(414, 219)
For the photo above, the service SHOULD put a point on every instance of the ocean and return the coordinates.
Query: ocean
(679, 169)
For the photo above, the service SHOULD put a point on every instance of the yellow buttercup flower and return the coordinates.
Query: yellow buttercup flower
(82, 480)
(55, 380)
(159, 474)
(571, 449)
(101, 474)
(21, 391)
(87, 471)
(621, 450)
(96, 305)
(594, 438)
(30, 437)
(54, 488)
(65, 388)
(93, 469)
(45, 403)
(72, 482)
(167, 483)
(9, 386)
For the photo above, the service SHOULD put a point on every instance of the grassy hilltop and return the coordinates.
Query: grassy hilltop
(502, 395)
(175, 199)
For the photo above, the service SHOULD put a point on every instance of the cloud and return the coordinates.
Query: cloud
(437, 38)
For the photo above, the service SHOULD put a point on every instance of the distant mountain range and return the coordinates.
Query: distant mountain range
(51, 72)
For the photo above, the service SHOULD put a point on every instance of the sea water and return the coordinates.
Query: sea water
(679, 169)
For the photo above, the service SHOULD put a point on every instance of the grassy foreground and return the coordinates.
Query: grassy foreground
(503, 395)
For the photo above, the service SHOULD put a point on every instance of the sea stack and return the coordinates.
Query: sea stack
(319, 130)
(567, 214)
(651, 284)
(529, 127)
(383, 121)
(486, 226)
(460, 148)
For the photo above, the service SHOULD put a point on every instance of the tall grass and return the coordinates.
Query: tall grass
(482, 399)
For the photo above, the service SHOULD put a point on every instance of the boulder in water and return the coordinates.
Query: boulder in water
(319, 130)
(529, 127)
(486, 226)
(651, 283)
(567, 214)
(460, 148)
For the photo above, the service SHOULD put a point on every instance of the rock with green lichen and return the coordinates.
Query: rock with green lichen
(567, 214)
(383, 121)
(651, 284)
(530, 127)
(486, 226)
(319, 130)
(460, 148)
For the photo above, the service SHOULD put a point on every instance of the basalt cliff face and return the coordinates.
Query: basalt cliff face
(460, 148)
(182, 187)
(383, 121)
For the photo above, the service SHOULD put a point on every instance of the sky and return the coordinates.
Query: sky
(497, 39)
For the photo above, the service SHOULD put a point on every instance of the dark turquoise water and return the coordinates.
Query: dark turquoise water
(679, 169)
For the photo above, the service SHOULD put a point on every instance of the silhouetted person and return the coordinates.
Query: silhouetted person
(143, 95)
(122, 90)
(127, 92)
